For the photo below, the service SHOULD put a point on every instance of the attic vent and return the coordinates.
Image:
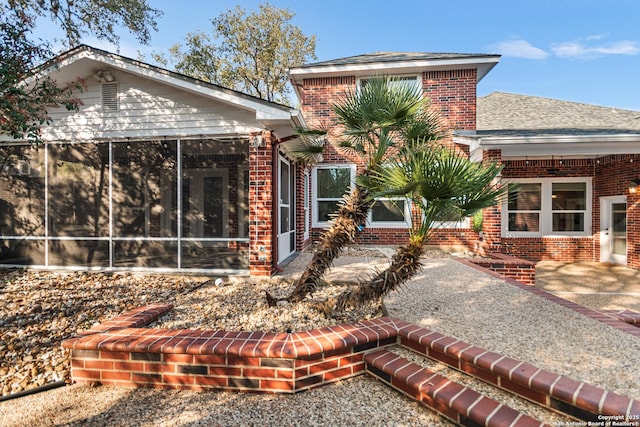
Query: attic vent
(110, 97)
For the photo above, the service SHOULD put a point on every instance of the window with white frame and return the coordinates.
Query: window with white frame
(395, 80)
(390, 212)
(546, 207)
(330, 184)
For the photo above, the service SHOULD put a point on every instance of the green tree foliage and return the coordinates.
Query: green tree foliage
(24, 95)
(249, 52)
(100, 18)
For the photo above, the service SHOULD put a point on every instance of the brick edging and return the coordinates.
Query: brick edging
(292, 362)
(556, 392)
(460, 404)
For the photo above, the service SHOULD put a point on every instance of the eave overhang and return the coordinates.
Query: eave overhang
(595, 145)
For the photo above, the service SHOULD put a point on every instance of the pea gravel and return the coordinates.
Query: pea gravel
(447, 297)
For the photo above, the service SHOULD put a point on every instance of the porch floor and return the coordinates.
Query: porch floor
(596, 285)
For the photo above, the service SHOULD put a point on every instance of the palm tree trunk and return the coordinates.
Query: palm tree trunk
(405, 263)
(351, 215)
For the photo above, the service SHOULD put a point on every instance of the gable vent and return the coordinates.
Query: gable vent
(110, 97)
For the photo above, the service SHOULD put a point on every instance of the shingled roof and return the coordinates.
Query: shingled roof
(502, 113)
(376, 57)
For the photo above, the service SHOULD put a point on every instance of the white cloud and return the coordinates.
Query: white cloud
(597, 37)
(584, 50)
(519, 48)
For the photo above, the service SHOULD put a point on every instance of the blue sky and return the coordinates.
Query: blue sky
(576, 50)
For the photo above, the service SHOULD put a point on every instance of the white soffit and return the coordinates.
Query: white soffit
(560, 145)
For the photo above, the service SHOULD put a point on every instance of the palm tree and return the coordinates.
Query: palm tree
(375, 121)
(444, 185)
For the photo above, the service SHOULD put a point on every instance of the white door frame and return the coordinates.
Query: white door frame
(606, 241)
(285, 248)
(307, 203)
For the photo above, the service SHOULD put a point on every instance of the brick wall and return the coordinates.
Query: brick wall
(119, 352)
(611, 177)
(451, 92)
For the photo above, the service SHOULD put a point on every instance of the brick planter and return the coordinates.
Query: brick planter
(507, 266)
(119, 352)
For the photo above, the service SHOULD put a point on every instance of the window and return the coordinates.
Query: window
(397, 80)
(524, 207)
(569, 203)
(548, 206)
(390, 213)
(330, 184)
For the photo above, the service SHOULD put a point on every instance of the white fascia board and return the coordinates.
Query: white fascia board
(563, 145)
(484, 65)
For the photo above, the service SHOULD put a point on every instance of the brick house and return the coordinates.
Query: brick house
(577, 167)
(162, 172)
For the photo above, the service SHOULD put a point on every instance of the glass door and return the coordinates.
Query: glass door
(286, 223)
(613, 234)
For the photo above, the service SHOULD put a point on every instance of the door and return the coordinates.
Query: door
(205, 205)
(613, 230)
(286, 223)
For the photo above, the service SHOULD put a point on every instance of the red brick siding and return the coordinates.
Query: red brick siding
(611, 176)
(261, 224)
(451, 92)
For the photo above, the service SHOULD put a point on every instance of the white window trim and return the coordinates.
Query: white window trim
(391, 224)
(546, 212)
(418, 78)
(314, 196)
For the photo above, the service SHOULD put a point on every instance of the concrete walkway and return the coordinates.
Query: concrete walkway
(595, 285)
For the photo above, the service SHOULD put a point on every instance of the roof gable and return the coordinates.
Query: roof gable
(86, 60)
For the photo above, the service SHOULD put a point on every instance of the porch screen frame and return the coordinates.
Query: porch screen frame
(178, 240)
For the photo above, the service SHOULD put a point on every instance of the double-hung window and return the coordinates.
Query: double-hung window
(330, 184)
(547, 207)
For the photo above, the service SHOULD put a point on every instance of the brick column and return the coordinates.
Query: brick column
(633, 230)
(261, 225)
(492, 217)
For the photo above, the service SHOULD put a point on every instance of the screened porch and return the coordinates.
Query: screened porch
(126, 205)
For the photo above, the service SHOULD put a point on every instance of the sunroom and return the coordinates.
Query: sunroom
(156, 172)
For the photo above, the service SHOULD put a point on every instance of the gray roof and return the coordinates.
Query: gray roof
(377, 57)
(502, 113)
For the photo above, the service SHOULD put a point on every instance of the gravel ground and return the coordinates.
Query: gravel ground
(447, 297)
(490, 313)
(40, 309)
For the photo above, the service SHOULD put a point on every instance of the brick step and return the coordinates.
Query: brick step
(460, 404)
(559, 393)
